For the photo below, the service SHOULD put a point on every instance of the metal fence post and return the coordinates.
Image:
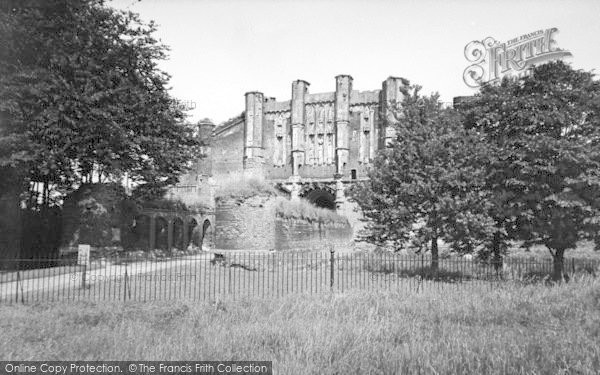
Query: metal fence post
(17, 286)
(83, 276)
(331, 266)
(125, 285)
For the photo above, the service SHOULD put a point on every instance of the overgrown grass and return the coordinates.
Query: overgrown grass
(584, 250)
(302, 209)
(508, 330)
(191, 200)
(240, 186)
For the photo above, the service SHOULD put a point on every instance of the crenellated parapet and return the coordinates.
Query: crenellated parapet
(319, 134)
(323, 136)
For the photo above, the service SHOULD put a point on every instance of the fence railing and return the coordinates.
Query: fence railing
(208, 276)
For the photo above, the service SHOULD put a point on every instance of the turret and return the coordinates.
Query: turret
(343, 90)
(299, 91)
(253, 132)
(391, 96)
(205, 129)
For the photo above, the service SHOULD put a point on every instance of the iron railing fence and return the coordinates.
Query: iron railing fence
(209, 276)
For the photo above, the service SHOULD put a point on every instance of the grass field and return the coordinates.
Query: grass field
(511, 329)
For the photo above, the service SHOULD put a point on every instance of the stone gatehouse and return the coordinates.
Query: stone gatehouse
(311, 145)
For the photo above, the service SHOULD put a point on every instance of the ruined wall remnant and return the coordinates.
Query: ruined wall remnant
(245, 224)
(252, 224)
(303, 235)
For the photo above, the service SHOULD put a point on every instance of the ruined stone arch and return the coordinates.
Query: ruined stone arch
(319, 194)
(161, 232)
(178, 233)
(192, 226)
(207, 233)
(140, 232)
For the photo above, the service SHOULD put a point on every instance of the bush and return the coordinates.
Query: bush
(411, 269)
(304, 210)
(90, 213)
(165, 204)
(240, 186)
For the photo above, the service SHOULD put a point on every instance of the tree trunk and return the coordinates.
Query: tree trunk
(45, 194)
(558, 270)
(434, 254)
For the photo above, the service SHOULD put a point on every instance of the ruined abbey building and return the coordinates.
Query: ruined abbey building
(311, 146)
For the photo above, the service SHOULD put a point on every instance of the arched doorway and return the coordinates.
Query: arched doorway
(140, 233)
(193, 234)
(161, 233)
(178, 234)
(321, 198)
(206, 234)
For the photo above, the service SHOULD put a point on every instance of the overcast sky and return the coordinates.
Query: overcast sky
(221, 49)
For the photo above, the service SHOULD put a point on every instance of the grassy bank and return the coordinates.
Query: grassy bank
(528, 329)
(239, 186)
(304, 210)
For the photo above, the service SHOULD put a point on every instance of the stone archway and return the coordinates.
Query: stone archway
(207, 234)
(161, 233)
(321, 197)
(140, 232)
(178, 235)
(192, 229)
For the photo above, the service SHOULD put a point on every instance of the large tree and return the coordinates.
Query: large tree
(546, 176)
(82, 98)
(429, 183)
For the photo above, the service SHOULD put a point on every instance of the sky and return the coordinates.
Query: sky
(221, 49)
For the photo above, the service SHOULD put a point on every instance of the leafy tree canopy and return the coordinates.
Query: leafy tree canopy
(545, 128)
(429, 183)
(81, 96)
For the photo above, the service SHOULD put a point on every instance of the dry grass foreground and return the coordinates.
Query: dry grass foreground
(533, 329)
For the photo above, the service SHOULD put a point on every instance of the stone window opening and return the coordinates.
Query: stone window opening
(279, 147)
(367, 146)
(320, 149)
(310, 160)
(279, 152)
(330, 153)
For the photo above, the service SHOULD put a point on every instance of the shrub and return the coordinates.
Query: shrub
(165, 204)
(90, 213)
(304, 210)
(240, 186)
(411, 269)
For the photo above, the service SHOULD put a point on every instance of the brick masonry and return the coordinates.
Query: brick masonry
(252, 225)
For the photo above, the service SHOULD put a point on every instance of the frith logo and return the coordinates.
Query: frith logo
(491, 60)
(183, 105)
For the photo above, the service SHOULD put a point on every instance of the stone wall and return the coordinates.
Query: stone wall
(251, 224)
(245, 224)
(302, 235)
(227, 148)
